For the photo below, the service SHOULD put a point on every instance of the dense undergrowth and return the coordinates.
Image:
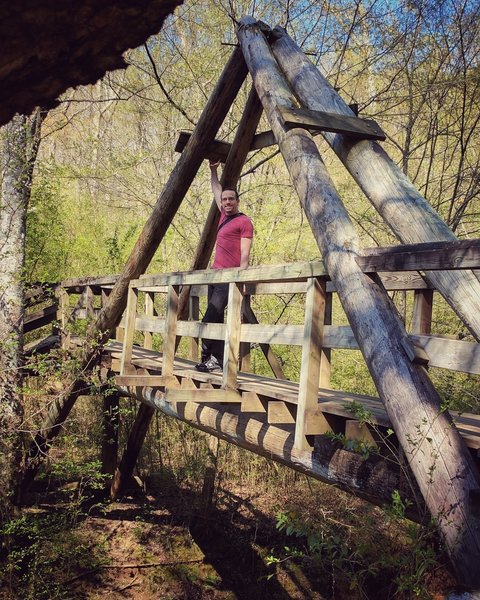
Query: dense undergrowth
(267, 532)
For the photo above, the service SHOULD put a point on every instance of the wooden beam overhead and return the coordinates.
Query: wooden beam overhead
(218, 150)
(457, 254)
(315, 120)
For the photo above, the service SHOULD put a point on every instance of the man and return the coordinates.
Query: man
(234, 241)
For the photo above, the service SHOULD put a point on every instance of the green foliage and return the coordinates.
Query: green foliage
(43, 550)
(348, 551)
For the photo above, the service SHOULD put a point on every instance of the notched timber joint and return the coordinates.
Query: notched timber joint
(415, 352)
(315, 120)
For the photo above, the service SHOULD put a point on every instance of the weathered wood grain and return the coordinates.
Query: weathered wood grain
(315, 120)
(429, 441)
(390, 191)
(460, 254)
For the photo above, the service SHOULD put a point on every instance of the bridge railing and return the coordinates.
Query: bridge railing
(316, 336)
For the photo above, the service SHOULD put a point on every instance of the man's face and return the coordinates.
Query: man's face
(229, 202)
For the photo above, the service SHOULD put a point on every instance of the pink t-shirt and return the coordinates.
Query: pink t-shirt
(227, 252)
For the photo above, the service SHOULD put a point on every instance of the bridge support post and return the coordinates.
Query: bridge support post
(134, 445)
(111, 406)
(215, 111)
(436, 454)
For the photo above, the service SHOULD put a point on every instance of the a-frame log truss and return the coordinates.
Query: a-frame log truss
(404, 387)
(403, 384)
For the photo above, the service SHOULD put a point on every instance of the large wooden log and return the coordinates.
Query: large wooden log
(373, 479)
(390, 191)
(436, 454)
(176, 187)
(152, 234)
(132, 450)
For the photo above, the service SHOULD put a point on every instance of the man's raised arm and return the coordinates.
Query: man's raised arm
(216, 187)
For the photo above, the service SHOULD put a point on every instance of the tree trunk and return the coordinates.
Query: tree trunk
(436, 454)
(18, 153)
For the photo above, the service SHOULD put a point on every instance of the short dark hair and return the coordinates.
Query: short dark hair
(231, 189)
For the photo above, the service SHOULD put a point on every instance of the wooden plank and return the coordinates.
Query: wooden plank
(76, 286)
(459, 254)
(279, 413)
(315, 120)
(326, 353)
(232, 336)
(311, 357)
(245, 346)
(170, 331)
(409, 396)
(455, 355)
(317, 422)
(336, 336)
(284, 272)
(145, 380)
(129, 329)
(218, 150)
(251, 402)
(359, 432)
(215, 151)
(194, 315)
(40, 318)
(203, 396)
(272, 360)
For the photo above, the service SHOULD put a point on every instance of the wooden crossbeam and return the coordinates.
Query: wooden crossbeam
(315, 120)
(40, 318)
(218, 150)
(459, 254)
(203, 396)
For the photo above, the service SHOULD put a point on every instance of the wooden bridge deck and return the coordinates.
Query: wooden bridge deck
(277, 399)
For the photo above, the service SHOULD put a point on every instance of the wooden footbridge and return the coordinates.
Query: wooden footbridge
(304, 424)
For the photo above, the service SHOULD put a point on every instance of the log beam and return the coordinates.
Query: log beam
(396, 199)
(373, 479)
(437, 456)
(215, 111)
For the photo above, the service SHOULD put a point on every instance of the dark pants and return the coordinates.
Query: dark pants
(217, 302)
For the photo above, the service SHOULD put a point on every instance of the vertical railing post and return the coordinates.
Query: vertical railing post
(311, 359)
(149, 312)
(111, 407)
(422, 312)
(232, 336)
(193, 315)
(130, 318)
(245, 346)
(170, 330)
(62, 318)
(326, 358)
(88, 300)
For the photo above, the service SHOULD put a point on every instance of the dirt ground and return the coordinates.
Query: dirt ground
(160, 542)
